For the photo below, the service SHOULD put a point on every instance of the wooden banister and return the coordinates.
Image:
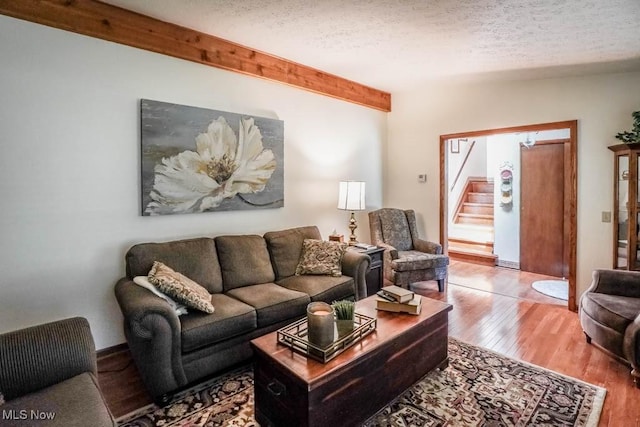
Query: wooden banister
(464, 162)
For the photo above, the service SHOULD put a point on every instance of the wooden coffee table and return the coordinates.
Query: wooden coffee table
(291, 389)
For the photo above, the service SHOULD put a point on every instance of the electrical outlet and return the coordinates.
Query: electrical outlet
(422, 177)
(606, 216)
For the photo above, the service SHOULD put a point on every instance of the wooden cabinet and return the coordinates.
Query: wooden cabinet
(626, 209)
(375, 275)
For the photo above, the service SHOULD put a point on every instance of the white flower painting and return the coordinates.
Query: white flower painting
(199, 163)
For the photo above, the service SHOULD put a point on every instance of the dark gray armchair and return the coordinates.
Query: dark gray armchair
(407, 258)
(50, 371)
(610, 315)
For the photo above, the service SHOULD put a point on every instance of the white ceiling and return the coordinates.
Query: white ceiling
(396, 44)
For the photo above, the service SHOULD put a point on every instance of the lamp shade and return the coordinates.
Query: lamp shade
(351, 196)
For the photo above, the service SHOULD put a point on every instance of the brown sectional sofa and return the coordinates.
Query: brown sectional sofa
(253, 288)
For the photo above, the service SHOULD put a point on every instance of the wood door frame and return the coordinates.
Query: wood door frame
(570, 181)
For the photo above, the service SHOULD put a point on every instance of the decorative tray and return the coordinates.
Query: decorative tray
(295, 337)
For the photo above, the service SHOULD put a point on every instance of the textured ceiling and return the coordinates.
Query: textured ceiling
(396, 44)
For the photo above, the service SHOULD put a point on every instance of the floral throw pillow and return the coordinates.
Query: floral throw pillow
(180, 288)
(320, 257)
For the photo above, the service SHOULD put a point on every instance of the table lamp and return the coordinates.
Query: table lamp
(351, 198)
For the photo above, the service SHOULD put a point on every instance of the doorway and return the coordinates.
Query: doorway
(558, 221)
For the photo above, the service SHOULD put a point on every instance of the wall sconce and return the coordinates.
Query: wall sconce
(351, 198)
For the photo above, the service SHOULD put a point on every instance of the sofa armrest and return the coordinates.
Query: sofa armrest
(631, 344)
(389, 251)
(427, 247)
(153, 333)
(356, 265)
(43, 355)
(616, 282)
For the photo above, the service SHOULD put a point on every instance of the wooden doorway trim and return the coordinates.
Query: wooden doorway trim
(571, 187)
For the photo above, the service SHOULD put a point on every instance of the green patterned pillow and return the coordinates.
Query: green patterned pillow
(180, 288)
(320, 257)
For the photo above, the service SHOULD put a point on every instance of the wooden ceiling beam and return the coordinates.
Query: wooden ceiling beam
(111, 23)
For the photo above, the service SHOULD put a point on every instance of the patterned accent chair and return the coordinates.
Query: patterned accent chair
(407, 258)
(610, 315)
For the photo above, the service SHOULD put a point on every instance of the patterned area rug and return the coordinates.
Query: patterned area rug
(479, 388)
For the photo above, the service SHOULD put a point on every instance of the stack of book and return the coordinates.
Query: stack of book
(399, 300)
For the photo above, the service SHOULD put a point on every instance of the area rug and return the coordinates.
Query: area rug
(478, 388)
(554, 288)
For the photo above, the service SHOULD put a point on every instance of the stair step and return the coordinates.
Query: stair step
(478, 208)
(458, 248)
(472, 257)
(480, 197)
(472, 247)
(475, 221)
(482, 187)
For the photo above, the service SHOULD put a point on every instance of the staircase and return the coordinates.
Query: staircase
(474, 224)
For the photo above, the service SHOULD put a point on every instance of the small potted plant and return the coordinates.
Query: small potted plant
(632, 137)
(344, 310)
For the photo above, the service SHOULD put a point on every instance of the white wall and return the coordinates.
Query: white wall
(602, 104)
(501, 149)
(70, 166)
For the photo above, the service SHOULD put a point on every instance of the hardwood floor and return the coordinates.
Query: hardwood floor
(512, 322)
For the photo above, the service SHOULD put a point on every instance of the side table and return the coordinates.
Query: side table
(375, 275)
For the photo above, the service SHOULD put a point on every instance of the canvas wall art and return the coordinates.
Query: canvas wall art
(200, 160)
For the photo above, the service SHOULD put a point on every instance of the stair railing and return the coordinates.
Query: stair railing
(464, 162)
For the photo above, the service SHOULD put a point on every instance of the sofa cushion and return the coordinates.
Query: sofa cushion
(180, 288)
(195, 258)
(321, 258)
(614, 311)
(414, 260)
(76, 402)
(285, 247)
(231, 318)
(244, 260)
(273, 303)
(321, 288)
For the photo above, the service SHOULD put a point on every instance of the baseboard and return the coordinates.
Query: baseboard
(509, 264)
(109, 351)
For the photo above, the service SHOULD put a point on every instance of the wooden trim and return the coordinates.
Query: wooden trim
(444, 195)
(100, 20)
(573, 213)
(489, 260)
(110, 351)
(572, 191)
(512, 129)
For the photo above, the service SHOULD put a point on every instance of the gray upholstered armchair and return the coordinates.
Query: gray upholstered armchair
(51, 369)
(610, 315)
(407, 258)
